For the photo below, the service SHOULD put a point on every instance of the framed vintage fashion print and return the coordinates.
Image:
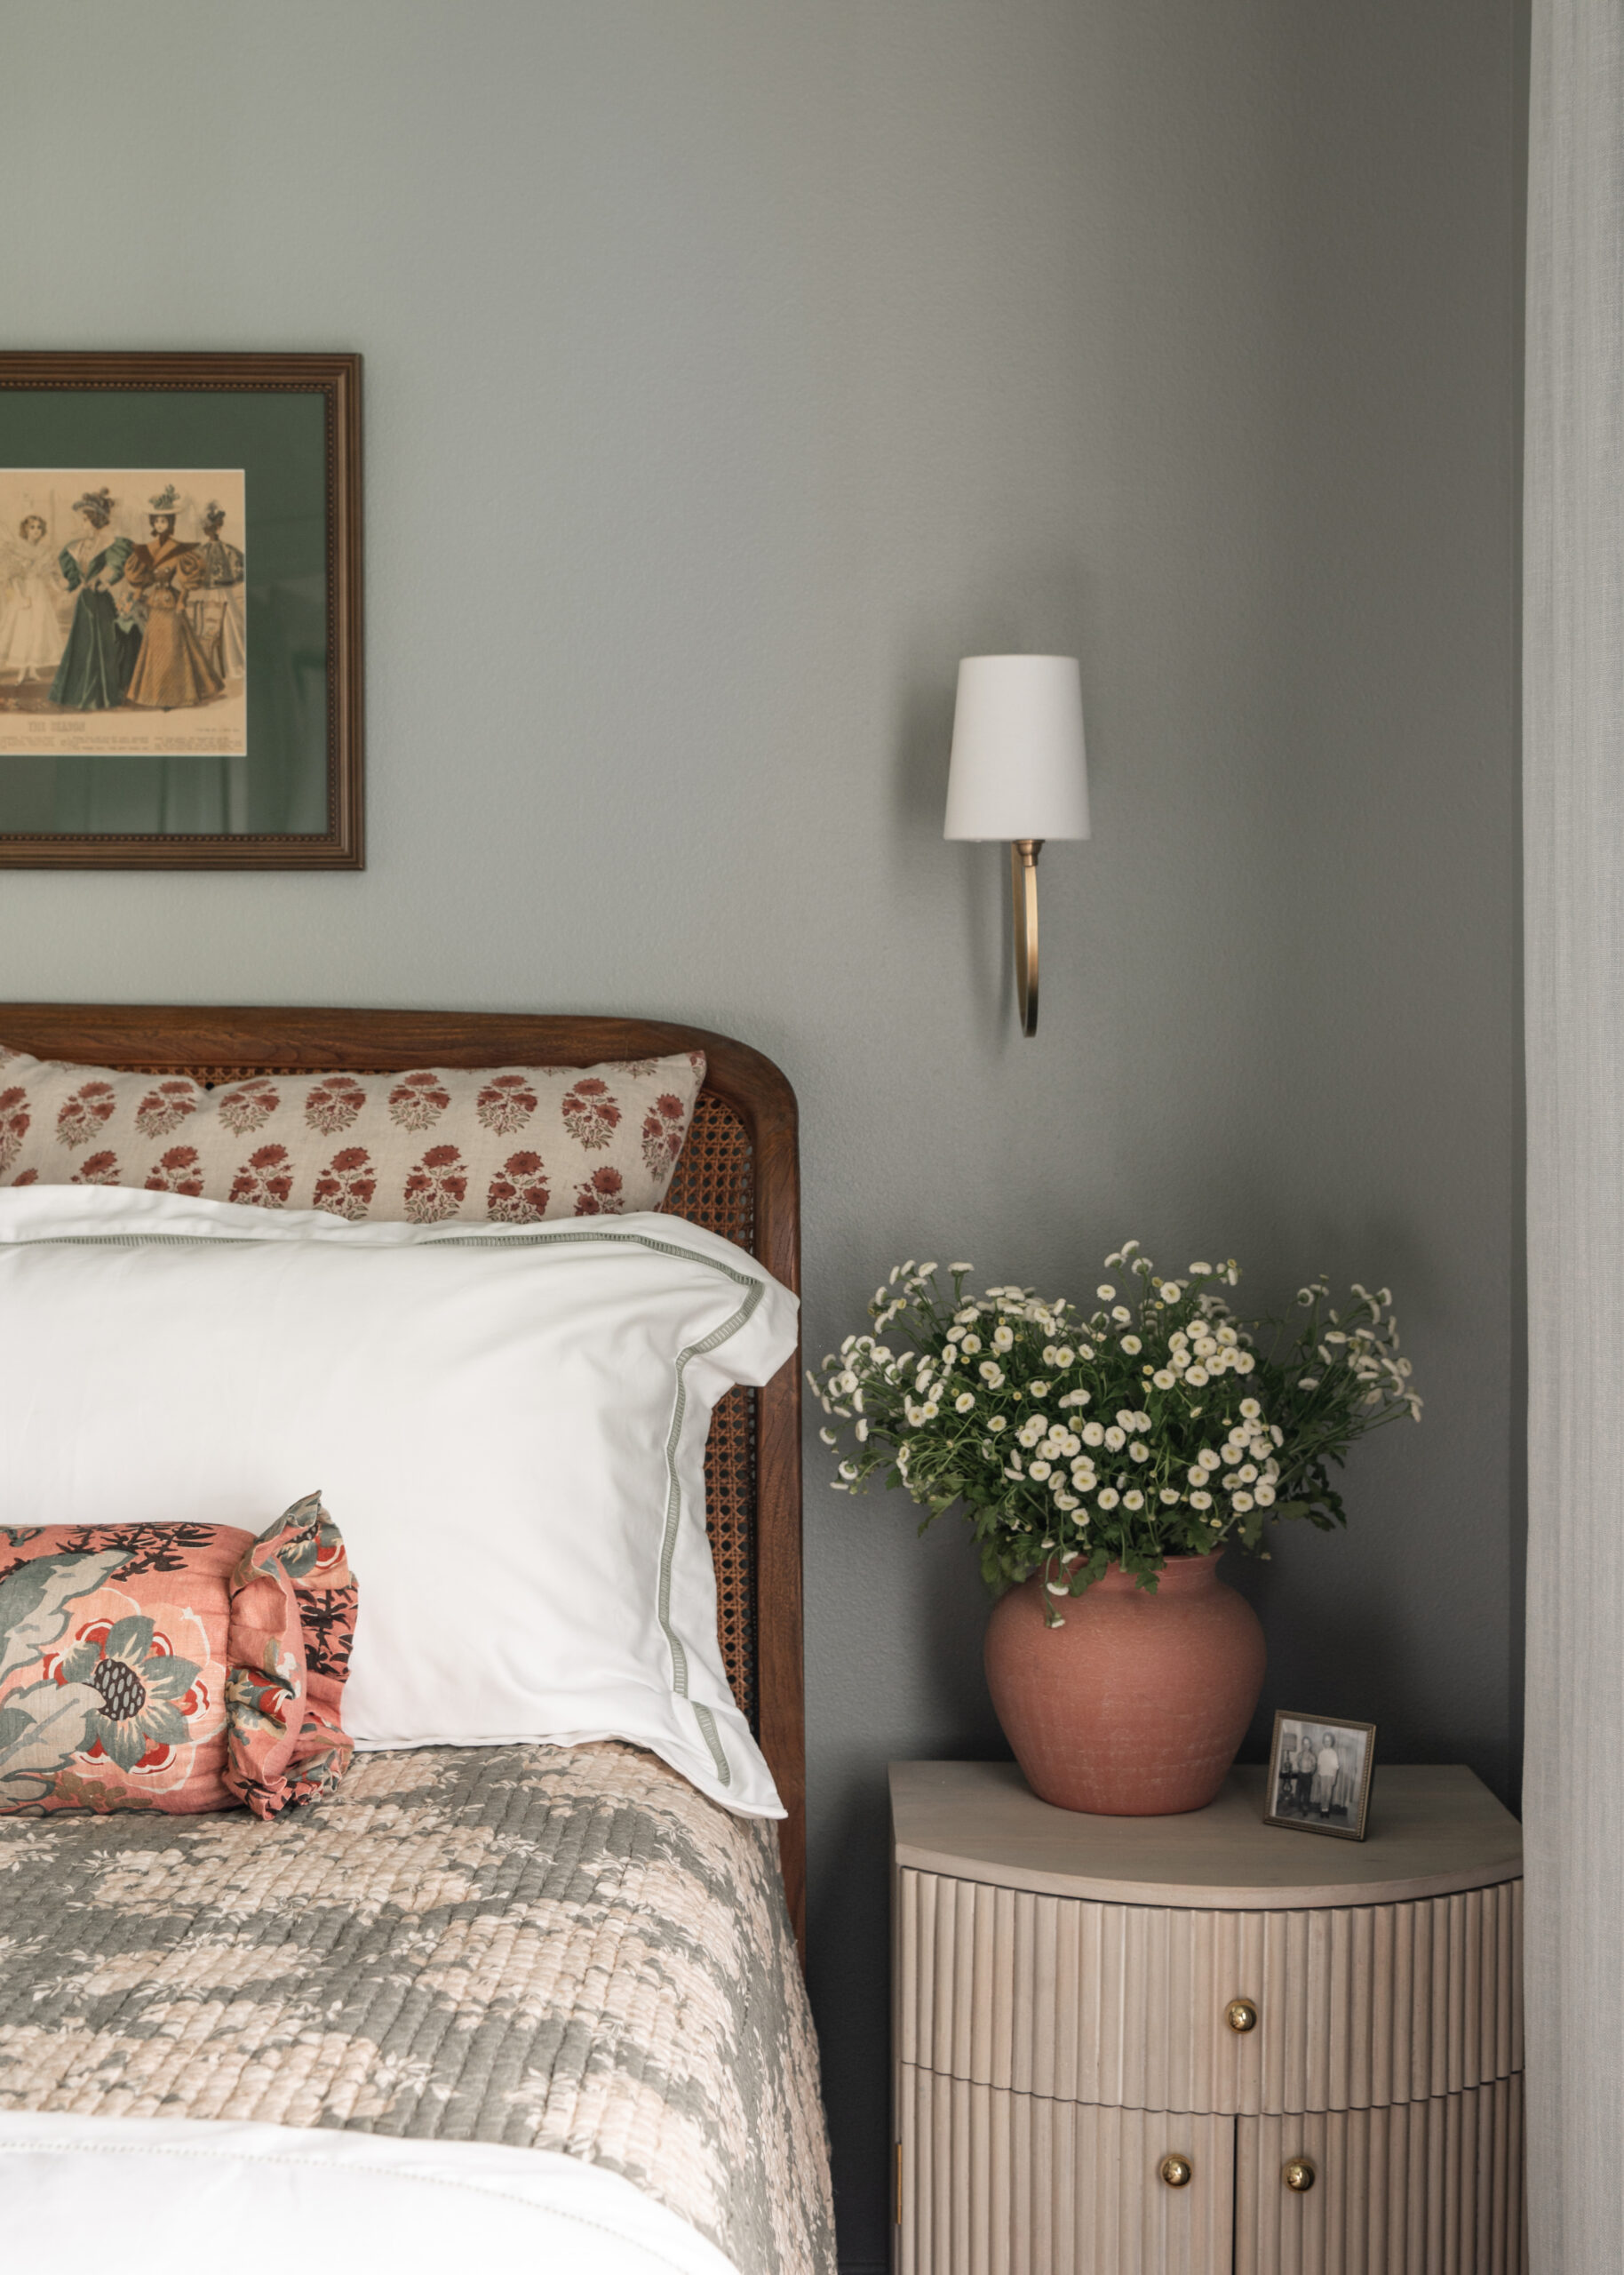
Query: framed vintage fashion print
(180, 681)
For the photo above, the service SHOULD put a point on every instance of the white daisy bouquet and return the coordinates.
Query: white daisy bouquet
(1156, 1424)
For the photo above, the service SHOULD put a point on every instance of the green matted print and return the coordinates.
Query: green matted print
(179, 611)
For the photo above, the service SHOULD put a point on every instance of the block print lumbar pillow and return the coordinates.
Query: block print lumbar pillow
(506, 1144)
(177, 1667)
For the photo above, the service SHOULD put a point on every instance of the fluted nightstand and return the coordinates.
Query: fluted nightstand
(1201, 2045)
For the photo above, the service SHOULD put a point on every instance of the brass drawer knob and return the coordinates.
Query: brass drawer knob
(1299, 2175)
(1176, 2171)
(1241, 2015)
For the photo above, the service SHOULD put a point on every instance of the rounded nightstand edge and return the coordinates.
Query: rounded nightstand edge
(1435, 1830)
(1167, 1896)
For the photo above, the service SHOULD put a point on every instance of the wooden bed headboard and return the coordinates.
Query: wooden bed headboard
(738, 1176)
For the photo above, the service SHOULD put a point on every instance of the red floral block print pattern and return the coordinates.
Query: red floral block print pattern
(518, 1194)
(591, 1113)
(85, 1113)
(417, 1101)
(506, 1103)
(14, 1119)
(166, 1107)
(347, 1184)
(333, 1104)
(250, 1107)
(178, 1171)
(602, 1194)
(265, 1179)
(436, 1188)
(512, 1145)
(173, 1667)
(664, 1126)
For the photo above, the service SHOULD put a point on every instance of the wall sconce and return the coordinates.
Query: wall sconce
(1018, 771)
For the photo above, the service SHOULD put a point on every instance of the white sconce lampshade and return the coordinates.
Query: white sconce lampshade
(1018, 769)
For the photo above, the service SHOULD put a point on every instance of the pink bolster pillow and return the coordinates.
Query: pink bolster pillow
(180, 1667)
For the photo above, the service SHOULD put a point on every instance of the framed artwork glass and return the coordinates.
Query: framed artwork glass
(180, 674)
(1319, 1770)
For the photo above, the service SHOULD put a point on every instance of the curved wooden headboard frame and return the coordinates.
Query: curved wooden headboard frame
(275, 1038)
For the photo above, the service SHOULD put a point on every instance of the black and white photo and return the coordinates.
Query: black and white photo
(1319, 1775)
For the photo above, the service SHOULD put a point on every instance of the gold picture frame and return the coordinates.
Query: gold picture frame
(1308, 1793)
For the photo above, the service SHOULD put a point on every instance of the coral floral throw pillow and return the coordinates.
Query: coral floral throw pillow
(180, 1667)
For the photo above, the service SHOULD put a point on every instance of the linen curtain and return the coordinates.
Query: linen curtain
(1573, 822)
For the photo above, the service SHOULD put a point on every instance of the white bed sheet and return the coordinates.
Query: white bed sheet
(188, 2192)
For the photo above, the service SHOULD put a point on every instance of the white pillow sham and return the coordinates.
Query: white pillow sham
(508, 1422)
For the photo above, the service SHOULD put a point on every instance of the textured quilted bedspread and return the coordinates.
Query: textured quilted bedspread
(560, 1950)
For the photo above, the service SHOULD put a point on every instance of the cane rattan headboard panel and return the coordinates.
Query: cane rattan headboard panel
(737, 1175)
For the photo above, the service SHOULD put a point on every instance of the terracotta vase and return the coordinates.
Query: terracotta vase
(1135, 1707)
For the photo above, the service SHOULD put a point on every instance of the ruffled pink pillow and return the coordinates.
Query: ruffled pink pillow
(175, 1667)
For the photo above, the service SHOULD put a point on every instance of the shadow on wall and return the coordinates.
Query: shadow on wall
(848, 1937)
(922, 736)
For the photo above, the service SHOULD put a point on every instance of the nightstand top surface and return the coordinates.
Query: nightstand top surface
(1432, 1831)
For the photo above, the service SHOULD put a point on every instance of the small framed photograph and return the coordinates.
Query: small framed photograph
(1319, 1775)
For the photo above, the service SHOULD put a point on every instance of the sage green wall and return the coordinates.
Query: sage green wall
(734, 365)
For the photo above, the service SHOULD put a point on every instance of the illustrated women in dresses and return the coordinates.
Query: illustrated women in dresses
(216, 606)
(171, 669)
(31, 634)
(103, 638)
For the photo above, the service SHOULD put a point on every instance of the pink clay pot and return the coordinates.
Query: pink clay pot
(1136, 1707)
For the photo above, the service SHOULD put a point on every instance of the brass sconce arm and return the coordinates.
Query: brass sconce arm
(1023, 853)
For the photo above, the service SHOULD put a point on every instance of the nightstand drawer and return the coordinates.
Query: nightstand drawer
(1428, 2188)
(1355, 2008)
(1004, 2183)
